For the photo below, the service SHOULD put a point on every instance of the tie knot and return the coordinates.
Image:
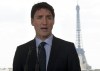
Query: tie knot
(42, 44)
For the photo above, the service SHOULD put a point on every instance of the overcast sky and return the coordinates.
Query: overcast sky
(16, 29)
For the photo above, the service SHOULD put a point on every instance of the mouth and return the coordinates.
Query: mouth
(44, 29)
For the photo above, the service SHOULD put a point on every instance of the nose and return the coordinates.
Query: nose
(44, 21)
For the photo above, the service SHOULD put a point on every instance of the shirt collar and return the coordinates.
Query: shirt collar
(48, 40)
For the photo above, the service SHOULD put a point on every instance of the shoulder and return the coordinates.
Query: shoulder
(27, 45)
(63, 44)
(61, 41)
(24, 48)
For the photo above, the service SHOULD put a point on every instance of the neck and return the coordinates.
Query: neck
(43, 37)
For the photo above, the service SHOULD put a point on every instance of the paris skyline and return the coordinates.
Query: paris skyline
(16, 29)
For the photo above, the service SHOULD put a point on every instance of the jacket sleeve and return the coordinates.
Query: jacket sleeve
(17, 66)
(73, 60)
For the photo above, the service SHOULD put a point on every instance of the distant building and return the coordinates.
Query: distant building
(10, 69)
(6, 69)
(83, 62)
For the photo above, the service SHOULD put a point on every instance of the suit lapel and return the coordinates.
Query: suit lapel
(32, 56)
(53, 55)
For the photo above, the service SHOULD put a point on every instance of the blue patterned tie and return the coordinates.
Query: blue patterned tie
(42, 57)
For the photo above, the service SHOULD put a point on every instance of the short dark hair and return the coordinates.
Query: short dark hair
(42, 5)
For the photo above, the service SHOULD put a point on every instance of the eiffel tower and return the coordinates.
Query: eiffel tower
(83, 62)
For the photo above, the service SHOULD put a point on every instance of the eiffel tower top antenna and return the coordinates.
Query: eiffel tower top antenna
(77, 2)
(78, 30)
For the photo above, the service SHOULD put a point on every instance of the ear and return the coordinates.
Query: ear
(32, 21)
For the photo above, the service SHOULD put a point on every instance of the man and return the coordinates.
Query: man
(55, 55)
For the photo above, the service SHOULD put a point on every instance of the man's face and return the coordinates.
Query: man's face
(43, 22)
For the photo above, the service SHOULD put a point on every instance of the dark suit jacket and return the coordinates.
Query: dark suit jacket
(63, 56)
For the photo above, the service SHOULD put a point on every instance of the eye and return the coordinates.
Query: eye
(39, 17)
(49, 17)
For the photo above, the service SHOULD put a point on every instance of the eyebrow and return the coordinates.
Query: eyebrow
(49, 15)
(46, 16)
